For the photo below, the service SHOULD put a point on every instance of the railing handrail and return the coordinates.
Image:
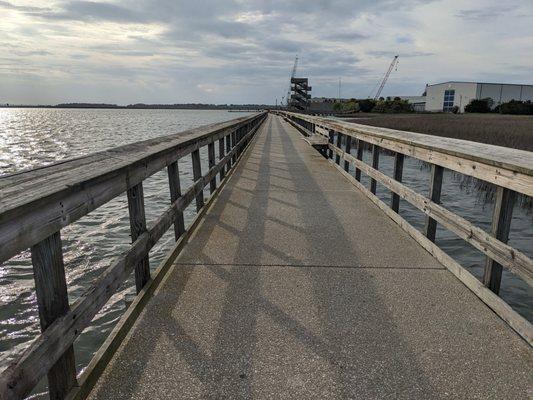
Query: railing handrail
(36, 222)
(507, 167)
(24, 193)
(507, 177)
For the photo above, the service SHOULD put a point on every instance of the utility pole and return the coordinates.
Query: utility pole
(339, 96)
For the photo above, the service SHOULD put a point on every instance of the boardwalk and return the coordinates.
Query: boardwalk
(297, 286)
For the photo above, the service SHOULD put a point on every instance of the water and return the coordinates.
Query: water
(33, 137)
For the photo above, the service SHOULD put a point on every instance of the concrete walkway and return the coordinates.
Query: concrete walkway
(297, 287)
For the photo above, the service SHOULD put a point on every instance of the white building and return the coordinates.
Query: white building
(444, 96)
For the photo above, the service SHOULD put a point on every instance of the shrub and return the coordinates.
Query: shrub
(366, 105)
(478, 106)
(393, 106)
(516, 107)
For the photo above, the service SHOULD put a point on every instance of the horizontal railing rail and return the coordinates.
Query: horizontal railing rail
(36, 204)
(509, 169)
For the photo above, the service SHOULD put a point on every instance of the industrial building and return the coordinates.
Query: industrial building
(444, 96)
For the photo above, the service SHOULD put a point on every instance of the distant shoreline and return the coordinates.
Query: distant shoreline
(141, 106)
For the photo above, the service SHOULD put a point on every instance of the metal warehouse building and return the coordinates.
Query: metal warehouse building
(444, 96)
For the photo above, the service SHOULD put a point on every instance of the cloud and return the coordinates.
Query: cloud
(94, 11)
(483, 14)
(159, 51)
(27, 9)
(391, 54)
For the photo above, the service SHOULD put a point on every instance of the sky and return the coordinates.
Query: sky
(223, 51)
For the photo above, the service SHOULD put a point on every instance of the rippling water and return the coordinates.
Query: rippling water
(33, 137)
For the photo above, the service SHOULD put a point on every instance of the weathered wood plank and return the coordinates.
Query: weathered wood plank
(197, 174)
(338, 143)
(175, 193)
(397, 175)
(331, 134)
(510, 168)
(17, 380)
(516, 261)
(521, 325)
(221, 152)
(96, 367)
(434, 195)
(52, 302)
(211, 160)
(37, 203)
(501, 225)
(375, 165)
(233, 136)
(228, 150)
(360, 150)
(348, 149)
(137, 228)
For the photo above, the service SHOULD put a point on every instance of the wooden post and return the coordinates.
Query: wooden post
(137, 228)
(360, 148)
(221, 153)
(228, 149)
(348, 150)
(434, 195)
(331, 133)
(233, 143)
(339, 141)
(197, 174)
(52, 301)
(398, 170)
(211, 159)
(375, 165)
(175, 194)
(501, 225)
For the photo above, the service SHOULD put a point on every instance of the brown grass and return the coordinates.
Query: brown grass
(515, 131)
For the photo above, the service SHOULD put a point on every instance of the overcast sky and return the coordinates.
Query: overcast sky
(170, 51)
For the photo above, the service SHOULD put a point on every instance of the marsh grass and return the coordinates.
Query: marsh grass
(515, 131)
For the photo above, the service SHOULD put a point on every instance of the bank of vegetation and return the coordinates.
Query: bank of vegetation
(396, 106)
(515, 131)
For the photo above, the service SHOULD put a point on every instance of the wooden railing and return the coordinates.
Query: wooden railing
(36, 204)
(509, 169)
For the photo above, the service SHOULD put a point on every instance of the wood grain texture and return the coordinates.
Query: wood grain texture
(97, 365)
(34, 204)
(348, 149)
(375, 165)
(435, 187)
(197, 174)
(175, 194)
(338, 144)
(520, 325)
(211, 161)
(516, 261)
(52, 302)
(221, 152)
(502, 166)
(397, 175)
(360, 149)
(501, 225)
(18, 379)
(137, 228)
